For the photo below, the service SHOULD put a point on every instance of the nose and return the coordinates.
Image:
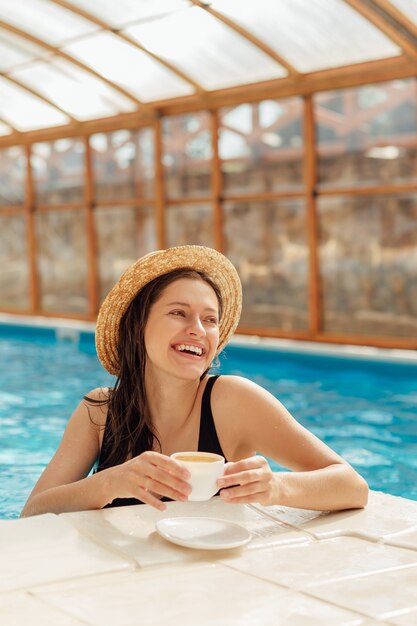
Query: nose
(195, 327)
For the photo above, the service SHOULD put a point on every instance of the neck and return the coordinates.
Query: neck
(171, 401)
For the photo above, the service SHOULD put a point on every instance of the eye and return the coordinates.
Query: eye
(177, 313)
(212, 320)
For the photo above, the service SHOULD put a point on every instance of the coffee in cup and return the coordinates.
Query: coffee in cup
(205, 468)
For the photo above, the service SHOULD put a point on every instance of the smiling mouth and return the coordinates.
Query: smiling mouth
(188, 349)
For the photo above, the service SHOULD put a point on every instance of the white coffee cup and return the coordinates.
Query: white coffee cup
(205, 468)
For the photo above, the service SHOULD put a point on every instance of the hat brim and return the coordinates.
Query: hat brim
(199, 258)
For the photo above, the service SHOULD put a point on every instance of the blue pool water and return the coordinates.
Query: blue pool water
(365, 410)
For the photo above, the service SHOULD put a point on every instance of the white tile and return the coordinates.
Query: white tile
(376, 595)
(19, 608)
(405, 617)
(130, 531)
(45, 548)
(385, 515)
(407, 539)
(203, 594)
(317, 562)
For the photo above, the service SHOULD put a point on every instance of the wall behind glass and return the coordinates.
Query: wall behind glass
(14, 274)
(187, 154)
(189, 224)
(62, 260)
(368, 264)
(123, 235)
(267, 243)
(58, 171)
(12, 176)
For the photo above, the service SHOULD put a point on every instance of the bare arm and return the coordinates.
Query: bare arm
(65, 484)
(320, 479)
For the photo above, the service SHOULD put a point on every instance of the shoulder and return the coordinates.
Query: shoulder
(232, 392)
(95, 404)
(97, 395)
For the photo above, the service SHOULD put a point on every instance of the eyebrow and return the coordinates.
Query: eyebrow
(207, 308)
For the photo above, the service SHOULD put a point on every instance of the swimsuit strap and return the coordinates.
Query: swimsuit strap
(208, 440)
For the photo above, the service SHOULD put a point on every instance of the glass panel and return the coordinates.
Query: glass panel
(45, 20)
(311, 35)
(115, 58)
(262, 146)
(189, 224)
(62, 83)
(123, 235)
(408, 7)
(368, 260)
(58, 171)
(62, 261)
(5, 130)
(124, 11)
(15, 50)
(187, 153)
(367, 134)
(26, 112)
(14, 275)
(123, 164)
(12, 52)
(12, 176)
(206, 49)
(267, 243)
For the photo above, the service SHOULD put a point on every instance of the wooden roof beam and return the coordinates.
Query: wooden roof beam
(121, 35)
(255, 41)
(4, 120)
(144, 108)
(38, 95)
(397, 15)
(374, 16)
(371, 72)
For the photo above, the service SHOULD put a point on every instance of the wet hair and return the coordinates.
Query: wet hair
(129, 428)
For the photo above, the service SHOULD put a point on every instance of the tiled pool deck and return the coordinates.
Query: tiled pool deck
(110, 567)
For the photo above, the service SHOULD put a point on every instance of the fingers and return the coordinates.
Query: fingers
(154, 472)
(249, 480)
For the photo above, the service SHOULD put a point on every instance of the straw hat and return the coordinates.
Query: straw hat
(156, 264)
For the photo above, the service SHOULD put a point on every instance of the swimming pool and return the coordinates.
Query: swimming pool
(366, 410)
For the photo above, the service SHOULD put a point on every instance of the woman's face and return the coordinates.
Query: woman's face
(182, 331)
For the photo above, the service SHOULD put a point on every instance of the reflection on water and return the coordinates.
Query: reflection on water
(366, 411)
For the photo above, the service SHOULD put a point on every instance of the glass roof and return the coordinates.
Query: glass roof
(408, 8)
(88, 59)
(330, 30)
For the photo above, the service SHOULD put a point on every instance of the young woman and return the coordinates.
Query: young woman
(158, 331)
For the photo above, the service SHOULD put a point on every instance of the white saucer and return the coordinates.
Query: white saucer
(204, 533)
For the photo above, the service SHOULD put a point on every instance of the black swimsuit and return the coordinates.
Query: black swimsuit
(207, 440)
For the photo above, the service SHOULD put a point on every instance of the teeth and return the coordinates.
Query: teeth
(194, 349)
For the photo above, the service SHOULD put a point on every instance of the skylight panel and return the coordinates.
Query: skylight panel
(129, 67)
(26, 112)
(311, 35)
(15, 50)
(74, 90)
(45, 20)
(206, 49)
(408, 7)
(124, 11)
(4, 129)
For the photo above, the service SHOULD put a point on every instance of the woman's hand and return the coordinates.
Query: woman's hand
(148, 477)
(249, 480)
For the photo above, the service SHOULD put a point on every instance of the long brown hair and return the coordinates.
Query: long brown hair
(129, 429)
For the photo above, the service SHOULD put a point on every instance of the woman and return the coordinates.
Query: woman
(159, 330)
